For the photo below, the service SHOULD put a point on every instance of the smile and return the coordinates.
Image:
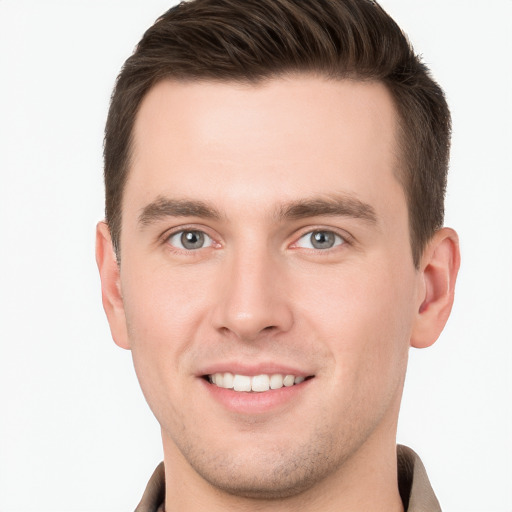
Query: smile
(256, 383)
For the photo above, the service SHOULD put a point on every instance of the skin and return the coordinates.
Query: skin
(257, 292)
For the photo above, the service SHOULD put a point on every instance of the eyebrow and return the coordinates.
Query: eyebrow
(164, 207)
(333, 205)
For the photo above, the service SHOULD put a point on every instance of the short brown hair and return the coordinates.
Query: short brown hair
(253, 40)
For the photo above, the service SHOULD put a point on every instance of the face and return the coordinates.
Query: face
(265, 246)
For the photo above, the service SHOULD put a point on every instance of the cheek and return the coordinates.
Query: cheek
(163, 315)
(364, 315)
(159, 341)
(162, 304)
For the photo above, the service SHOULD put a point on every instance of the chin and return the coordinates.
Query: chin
(268, 483)
(265, 474)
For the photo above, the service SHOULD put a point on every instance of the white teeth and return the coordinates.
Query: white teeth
(258, 383)
(242, 383)
(289, 380)
(276, 381)
(228, 381)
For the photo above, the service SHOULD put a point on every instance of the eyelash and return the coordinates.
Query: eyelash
(167, 236)
(345, 238)
(339, 240)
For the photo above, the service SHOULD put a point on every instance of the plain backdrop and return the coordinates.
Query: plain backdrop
(75, 431)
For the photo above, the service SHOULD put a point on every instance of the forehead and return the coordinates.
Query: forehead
(276, 140)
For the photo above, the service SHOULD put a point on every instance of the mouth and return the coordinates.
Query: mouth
(256, 383)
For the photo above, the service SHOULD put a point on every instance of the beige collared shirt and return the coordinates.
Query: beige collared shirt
(415, 490)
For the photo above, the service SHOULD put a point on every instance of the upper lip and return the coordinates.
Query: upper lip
(263, 368)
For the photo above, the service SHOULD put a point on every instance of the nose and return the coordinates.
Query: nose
(253, 297)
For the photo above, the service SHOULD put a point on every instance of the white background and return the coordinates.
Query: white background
(75, 432)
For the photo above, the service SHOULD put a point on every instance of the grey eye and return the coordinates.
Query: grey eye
(321, 239)
(190, 240)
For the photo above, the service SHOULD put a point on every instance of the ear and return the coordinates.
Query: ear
(111, 285)
(438, 272)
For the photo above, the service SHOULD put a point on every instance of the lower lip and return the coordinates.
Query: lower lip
(256, 403)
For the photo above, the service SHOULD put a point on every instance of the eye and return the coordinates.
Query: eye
(190, 240)
(320, 239)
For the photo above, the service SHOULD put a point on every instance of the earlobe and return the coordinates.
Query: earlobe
(438, 273)
(110, 285)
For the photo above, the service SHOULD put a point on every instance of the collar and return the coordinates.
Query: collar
(413, 483)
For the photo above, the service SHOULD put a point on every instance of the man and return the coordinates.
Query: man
(273, 245)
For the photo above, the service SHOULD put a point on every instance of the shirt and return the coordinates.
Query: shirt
(413, 483)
